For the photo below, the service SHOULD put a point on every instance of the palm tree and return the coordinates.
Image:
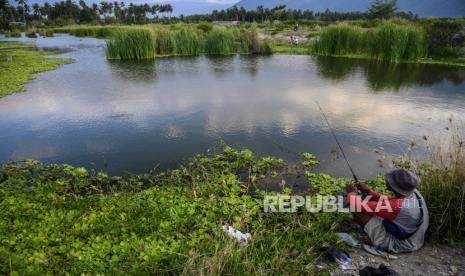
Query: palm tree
(36, 9)
(22, 4)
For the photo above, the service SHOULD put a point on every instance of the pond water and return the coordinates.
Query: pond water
(134, 116)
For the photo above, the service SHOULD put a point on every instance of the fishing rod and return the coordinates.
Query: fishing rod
(337, 142)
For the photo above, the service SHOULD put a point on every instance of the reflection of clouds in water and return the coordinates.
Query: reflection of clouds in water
(175, 132)
(251, 95)
(97, 147)
(35, 151)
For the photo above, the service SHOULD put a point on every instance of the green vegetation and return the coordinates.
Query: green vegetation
(388, 41)
(395, 42)
(168, 223)
(443, 186)
(180, 40)
(131, 45)
(221, 41)
(13, 33)
(19, 63)
(89, 31)
(45, 32)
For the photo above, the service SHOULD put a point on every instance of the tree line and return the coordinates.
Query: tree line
(383, 9)
(68, 11)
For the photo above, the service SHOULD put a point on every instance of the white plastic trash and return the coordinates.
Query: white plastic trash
(238, 235)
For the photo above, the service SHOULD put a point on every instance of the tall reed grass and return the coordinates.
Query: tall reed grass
(340, 40)
(131, 45)
(395, 42)
(388, 41)
(221, 41)
(443, 186)
(183, 40)
(187, 42)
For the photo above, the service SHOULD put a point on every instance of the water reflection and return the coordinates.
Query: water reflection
(144, 70)
(385, 75)
(134, 116)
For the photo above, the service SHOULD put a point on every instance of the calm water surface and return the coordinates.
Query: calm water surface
(132, 117)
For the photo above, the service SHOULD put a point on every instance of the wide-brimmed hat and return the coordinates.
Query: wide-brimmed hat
(402, 181)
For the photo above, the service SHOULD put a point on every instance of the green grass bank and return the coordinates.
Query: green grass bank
(58, 219)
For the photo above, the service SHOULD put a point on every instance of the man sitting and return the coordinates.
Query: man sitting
(398, 223)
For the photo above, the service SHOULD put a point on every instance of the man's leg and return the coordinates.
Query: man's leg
(361, 219)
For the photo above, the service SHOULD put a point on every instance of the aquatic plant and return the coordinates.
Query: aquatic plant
(340, 39)
(134, 44)
(19, 63)
(12, 33)
(151, 224)
(388, 41)
(187, 42)
(165, 42)
(395, 42)
(221, 41)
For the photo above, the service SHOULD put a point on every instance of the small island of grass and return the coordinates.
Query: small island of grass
(19, 62)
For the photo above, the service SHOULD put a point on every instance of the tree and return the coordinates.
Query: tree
(383, 8)
(23, 8)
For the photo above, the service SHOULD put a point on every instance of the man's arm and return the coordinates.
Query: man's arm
(386, 208)
(363, 187)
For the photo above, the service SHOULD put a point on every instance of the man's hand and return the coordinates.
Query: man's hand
(350, 188)
(363, 187)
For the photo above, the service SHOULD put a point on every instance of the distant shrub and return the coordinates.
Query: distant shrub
(444, 39)
(13, 33)
(46, 32)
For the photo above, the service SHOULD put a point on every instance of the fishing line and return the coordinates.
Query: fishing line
(337, 142)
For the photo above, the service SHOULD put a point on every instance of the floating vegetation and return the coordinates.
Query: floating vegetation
(19, 62)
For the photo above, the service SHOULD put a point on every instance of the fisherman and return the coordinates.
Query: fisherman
(396, 224)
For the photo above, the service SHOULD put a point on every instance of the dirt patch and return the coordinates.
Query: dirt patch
(430, 260)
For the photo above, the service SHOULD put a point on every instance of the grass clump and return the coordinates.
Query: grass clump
(12, 33)
(18, 65)
(443, 186)
(165, 42)
(46, 32)
(395, 42)
(340, 39)
(187, 42)
(221, 41)
(134, 44)
(388, 41)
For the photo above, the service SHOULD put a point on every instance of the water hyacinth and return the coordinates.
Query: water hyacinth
(136, 44)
